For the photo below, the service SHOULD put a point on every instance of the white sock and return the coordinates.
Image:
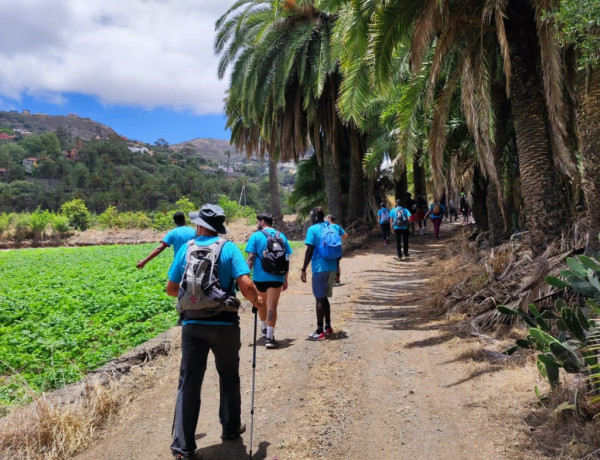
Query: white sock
(263, 325)
(270, 331)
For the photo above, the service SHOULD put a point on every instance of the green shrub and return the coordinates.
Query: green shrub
(234, 211)
(77, 213)
(39, 221)
(5, 221)
(60, 224)
(185, 206)
(134, 220)
(163, 221)
(109, 218)
(22, 227)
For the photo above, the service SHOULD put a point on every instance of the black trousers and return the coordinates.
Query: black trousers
(385, 229)
(402, 241)
(196, 341)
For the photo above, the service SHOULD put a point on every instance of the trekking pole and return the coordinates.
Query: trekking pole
(253, 380)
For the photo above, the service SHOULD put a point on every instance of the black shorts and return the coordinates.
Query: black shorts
(262, 286)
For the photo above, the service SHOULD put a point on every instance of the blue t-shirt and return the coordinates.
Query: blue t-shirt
(383, 218)
(178, 237)
(256, 245)
(319, 264)
(395, 212)
(437, 216)
(231, 262)
(338, 229)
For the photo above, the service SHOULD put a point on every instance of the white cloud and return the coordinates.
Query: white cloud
(147, 53)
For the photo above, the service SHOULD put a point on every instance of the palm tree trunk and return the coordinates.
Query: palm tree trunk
(419, 174)
(356, 191)
(274, 190)
(589, 137)
(545, 203)
(332, 170)
(479, 207)
(497, 210)
(401, 186)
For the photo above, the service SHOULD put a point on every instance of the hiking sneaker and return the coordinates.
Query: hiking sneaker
(317, 336)
(271, 343)
(234, 434)
(328, 331)
(263, 333)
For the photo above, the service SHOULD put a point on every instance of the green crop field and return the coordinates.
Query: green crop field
(67, 311)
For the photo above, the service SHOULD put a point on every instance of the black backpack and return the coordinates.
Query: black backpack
(274, 259)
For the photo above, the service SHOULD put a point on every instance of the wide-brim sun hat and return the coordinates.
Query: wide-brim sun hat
(211, 217)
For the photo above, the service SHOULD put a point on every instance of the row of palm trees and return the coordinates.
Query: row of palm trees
(474, 94)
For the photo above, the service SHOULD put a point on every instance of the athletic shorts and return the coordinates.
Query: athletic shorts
(322, 284)
(262, 286)
(420, 215)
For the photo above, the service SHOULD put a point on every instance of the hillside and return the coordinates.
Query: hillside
(213, 149)
(83, 128)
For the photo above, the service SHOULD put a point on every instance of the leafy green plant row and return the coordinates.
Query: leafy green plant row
(66, 311)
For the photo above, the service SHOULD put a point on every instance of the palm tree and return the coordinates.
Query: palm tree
(285, 82)
(577, 27)
(459, 30)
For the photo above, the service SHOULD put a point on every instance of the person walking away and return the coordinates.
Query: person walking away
(411, 205)
(321, 253)
(176, 238)
(452, 212)
(268, 257)
(209, 316)
(421, 211)
(399, 219)
(464, 206)
(436, 214)
(383, 217)
(344, 236)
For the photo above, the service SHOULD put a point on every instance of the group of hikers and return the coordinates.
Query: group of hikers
(205, 270)
(406, 215)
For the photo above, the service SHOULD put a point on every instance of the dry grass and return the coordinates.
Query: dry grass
(54, 427)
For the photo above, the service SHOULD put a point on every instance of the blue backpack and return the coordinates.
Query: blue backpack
(330, 243)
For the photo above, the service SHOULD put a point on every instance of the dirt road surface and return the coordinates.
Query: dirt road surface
(389, 384)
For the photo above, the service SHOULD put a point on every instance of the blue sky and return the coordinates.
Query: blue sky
(146, 68)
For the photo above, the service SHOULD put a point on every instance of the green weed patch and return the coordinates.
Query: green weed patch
(66, 311)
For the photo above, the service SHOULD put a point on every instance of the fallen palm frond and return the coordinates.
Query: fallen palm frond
(509, 275)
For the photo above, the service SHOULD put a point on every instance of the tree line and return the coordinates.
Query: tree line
(105, 173)
(499, 98)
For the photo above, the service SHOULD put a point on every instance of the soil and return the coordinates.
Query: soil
(389, 384)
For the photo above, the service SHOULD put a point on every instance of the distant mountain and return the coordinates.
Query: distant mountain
(211, 149)
(83, 128)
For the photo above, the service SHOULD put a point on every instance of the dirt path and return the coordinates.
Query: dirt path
(389, 385)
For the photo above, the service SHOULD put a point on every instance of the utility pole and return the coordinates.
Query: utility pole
(227, 172)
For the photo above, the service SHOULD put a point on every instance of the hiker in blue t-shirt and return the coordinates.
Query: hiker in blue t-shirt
(383, 218)
(436, 214)
(200, 334)
(269, 285)
(343, 235)
(399, 219)
(176, 238)
(323, 275)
